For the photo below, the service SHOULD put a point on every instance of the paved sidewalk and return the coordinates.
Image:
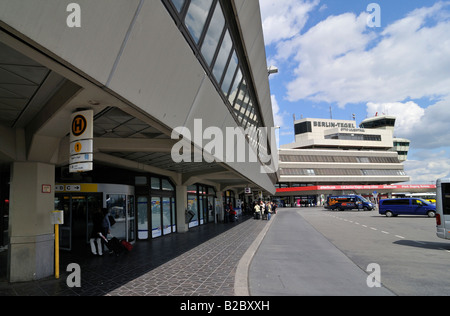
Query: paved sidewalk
(294, 259)
(202, 262)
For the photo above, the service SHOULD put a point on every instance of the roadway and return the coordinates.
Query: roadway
(314, 251)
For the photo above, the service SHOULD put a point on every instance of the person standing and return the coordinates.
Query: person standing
(96, 240)
(257, 211)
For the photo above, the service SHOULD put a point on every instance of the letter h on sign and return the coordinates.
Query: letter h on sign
(81, 141)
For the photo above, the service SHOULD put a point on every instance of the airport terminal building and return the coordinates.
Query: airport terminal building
(337, 153)
(91, 93)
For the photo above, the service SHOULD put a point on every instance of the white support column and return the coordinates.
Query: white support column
(182, 227)
(220, 207)
(31, 249)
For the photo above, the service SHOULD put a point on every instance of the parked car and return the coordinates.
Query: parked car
(408, 206)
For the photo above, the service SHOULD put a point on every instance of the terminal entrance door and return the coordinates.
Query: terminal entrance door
(78, 210)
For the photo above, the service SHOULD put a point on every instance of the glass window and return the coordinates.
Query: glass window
(211, 213)
(156, 217)
(167, 186)
(229, 75)
(192, 189)
(222, 57)
(193, 207)
(142, 204)
(446, 198)
(178, 4)
(213, 35)
(116, 204)
(174, 215)
(212, 42)
(196, 17)
(201, 203)
(363, 159)
(131, 218)
(167, 221)
(156, 185)
(140, 180)
(235, 86)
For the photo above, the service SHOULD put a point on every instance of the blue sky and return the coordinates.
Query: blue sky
(328, 56)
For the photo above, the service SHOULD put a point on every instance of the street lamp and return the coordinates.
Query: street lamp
(272, 70)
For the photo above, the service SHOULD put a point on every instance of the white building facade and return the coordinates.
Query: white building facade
(337, 152)
(143, 68)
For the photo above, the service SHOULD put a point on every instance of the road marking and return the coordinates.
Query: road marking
(384, 232)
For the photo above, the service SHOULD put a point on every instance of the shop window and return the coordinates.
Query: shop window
(116, 204)
(142, 206)
(156, 217)
(193, 207)
(166, 216)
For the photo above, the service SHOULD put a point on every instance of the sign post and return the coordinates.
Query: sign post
(81, 141)
(57, 219)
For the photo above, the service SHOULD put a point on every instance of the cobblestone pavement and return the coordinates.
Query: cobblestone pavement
(201, 262)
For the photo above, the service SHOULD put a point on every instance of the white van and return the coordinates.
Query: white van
(443, 208)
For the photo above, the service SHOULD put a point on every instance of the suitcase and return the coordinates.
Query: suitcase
(126, 245)
(115, 245)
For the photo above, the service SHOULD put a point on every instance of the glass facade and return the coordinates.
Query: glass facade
(208, 29)
(340, 172)
(342, 159)
(155, 205)
(201, 202)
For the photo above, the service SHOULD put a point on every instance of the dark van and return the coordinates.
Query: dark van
(395, 207)
(349, 202)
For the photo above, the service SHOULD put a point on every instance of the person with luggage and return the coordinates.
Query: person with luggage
(263, 210)
(232, 213)
(95, 240)
(106, 228)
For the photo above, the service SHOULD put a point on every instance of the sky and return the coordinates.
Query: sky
(365, 57)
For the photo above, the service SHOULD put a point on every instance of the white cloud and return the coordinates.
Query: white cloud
(277, 116)
(425, 127)
(409, 115)
(341, 60)
(429, 168)
(283, 19)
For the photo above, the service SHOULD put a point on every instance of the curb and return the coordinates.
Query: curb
(241, 282)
